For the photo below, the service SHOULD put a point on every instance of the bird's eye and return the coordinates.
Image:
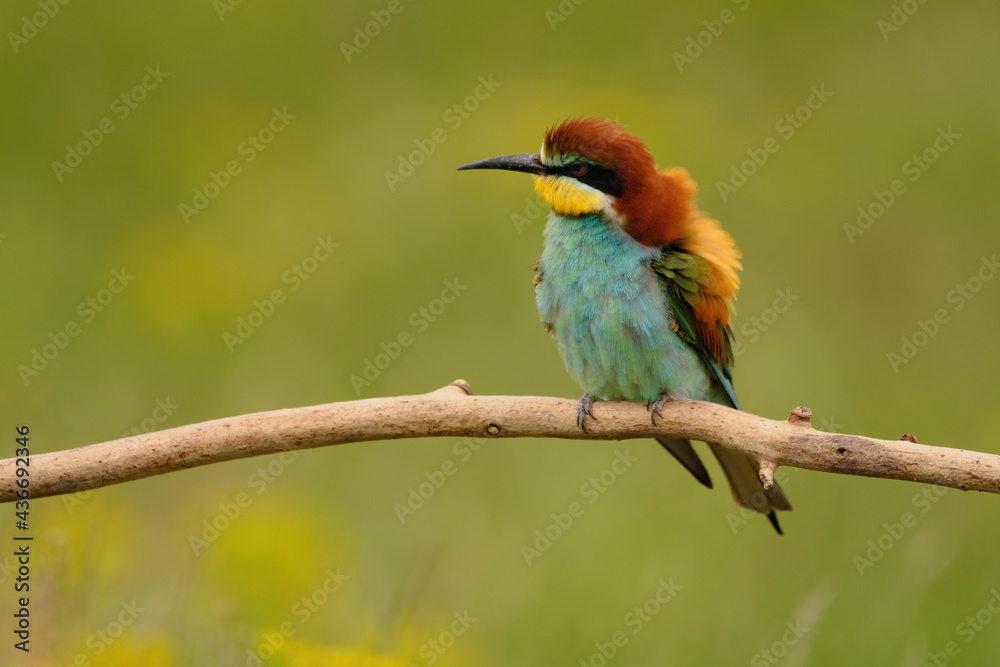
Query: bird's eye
(579, 168)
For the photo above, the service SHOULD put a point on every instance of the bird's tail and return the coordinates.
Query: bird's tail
(685, 454)
(744, 481)
(742, 473)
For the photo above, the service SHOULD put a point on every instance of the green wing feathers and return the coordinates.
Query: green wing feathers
(690, 286)
(700, 316)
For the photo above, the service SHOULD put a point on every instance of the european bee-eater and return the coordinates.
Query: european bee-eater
(636, 285)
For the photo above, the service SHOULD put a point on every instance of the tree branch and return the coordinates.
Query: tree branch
(453, 411)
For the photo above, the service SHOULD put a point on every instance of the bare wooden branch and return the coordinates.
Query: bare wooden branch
(766, 473)
(454, 411)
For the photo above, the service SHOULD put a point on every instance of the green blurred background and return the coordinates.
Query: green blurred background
(118, 564)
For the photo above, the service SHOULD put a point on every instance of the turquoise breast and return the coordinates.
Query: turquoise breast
(610, 316)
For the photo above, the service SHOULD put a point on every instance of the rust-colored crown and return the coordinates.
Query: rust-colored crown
(658, 207)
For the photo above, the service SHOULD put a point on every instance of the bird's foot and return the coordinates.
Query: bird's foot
(584, 408)
(654, 407)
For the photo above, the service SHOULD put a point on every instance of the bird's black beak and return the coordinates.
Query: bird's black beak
(527, 162)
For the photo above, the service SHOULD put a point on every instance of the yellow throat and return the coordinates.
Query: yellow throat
(566, 197)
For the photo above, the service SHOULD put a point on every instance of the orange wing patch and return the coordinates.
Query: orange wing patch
(718, 284)
(708, 240)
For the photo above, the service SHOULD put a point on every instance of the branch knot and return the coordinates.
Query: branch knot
(801, 416)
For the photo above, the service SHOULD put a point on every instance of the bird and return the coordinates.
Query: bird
(636, 285)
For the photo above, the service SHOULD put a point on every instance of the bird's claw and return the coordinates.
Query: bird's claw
(584, 408)
(654, 407)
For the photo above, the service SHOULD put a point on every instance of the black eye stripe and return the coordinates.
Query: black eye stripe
(595, 176)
